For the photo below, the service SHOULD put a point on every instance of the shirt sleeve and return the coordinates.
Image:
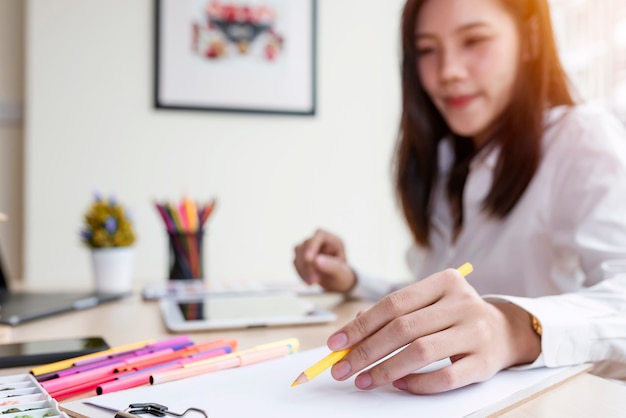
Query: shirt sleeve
(373, 288)
(370, 287)
(581, 327)
(589, 219)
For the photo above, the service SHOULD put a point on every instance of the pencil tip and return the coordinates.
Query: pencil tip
(301, 379)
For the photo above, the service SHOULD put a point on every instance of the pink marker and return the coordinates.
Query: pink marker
(179, 341)
(178, 354)
(203, 355)
(91, 366)
(83, 388)
(137, 379)
(173, 364)
(232, 360)
(111, 381)
(129, 362)
(79, 378)
(105, 357)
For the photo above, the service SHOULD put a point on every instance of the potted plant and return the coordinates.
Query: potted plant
(108, 232)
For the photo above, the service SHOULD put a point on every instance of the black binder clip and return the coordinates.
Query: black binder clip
(154, 409)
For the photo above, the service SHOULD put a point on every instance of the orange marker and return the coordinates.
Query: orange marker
(178, 354)
(249, 357)
(252, 355)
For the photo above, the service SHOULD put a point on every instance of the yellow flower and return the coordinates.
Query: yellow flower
(107, 225)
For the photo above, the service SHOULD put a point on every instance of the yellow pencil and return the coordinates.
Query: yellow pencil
(320, 366)
(192, 214)
(465, 269)
(335, 356)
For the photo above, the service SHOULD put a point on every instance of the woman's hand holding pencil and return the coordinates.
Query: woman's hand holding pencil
(439, 317)
(336, 356)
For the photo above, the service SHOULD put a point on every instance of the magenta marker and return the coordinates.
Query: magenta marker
(182, 340)
(86, 367)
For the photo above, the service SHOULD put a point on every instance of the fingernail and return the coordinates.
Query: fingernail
(338, 341)
(363, 381)
(400, 384)
(341, 370)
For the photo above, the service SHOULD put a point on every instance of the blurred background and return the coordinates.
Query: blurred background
(76, 117)
(592, 42)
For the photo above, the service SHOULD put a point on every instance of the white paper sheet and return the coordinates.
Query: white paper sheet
(264, 390)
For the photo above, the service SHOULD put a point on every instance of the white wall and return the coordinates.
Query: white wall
(91, 126)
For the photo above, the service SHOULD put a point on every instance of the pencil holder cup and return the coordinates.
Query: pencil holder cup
(185, 255)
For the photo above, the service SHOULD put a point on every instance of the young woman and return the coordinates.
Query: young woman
(496, 166)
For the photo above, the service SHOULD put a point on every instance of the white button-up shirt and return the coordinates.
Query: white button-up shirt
(545, 256)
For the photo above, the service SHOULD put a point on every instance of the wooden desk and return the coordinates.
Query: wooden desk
(132, 320)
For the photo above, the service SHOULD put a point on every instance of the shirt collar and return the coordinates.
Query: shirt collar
(487, 157)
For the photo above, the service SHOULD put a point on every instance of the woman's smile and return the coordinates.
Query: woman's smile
(459, 101)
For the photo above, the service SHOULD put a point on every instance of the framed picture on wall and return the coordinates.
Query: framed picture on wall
(255, 56)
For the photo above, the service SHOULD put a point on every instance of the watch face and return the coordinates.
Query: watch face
(535, 324)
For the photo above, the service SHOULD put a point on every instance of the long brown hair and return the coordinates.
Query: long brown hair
(541, 84)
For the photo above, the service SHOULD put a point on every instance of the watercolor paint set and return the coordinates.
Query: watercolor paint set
(21, 396)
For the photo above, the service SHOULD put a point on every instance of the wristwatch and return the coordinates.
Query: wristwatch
(535, 324)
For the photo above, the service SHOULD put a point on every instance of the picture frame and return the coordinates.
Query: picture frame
(251, 56)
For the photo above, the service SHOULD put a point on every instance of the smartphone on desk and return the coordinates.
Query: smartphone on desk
(32, 353)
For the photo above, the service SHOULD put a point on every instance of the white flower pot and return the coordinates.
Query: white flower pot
(113, 269)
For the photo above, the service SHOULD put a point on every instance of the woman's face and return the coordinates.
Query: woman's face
(468, 55)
